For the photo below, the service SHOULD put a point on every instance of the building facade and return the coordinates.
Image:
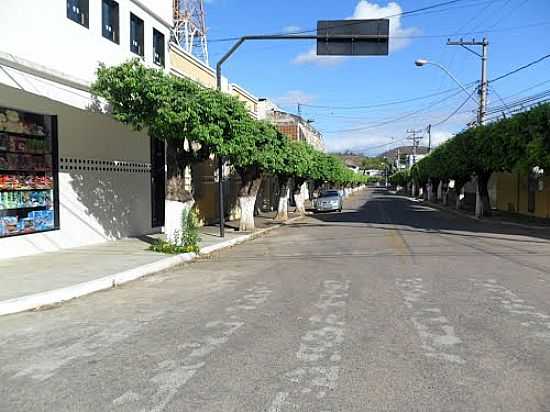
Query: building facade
(294, 126)
(69, 174)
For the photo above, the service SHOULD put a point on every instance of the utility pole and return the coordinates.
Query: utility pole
(484, 85)
(416, 140)
(398, 159)
(300, 109)
(429, 138)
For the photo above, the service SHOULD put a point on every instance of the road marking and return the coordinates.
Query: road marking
(429, 323)
(319, 352)
(527, 314)
(45, 362)
(173, 374)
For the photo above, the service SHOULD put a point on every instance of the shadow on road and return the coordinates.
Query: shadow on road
(383, 210)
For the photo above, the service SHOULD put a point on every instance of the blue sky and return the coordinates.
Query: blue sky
(288, 72)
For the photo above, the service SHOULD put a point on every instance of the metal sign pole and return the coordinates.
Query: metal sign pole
(378, 37)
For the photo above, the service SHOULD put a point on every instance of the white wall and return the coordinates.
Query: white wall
(39, 31)
(95, 205)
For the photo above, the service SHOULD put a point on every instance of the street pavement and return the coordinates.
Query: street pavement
(389, 306)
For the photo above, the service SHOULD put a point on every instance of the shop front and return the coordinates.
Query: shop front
(72, 177)
(29, 194)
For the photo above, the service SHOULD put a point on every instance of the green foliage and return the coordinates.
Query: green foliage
(186, 241)
(522, 141)
(401, 178)
(169, 248)
(190, 237)
(174, 108)
(374, 163)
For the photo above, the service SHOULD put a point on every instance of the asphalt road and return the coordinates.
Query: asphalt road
(388, 306)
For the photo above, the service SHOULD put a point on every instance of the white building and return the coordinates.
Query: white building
(71, 176)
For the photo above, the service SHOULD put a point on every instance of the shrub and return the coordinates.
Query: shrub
(186, 241)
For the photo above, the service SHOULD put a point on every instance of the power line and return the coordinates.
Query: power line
(394, 120)
(385, 104)
(520, 68)
(454, 111)
(413, 36)
(404, 13)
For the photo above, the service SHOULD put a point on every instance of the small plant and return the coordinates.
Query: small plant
(186, 241)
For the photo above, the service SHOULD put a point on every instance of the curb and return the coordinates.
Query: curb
(56, 296)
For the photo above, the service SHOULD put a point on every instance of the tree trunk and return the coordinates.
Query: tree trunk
(458, 203)
(177, 160)
(284, 193)
(483, 205)
(429, 192)
(299, 197)
(413, 189)
(251, 180)
(439, 196)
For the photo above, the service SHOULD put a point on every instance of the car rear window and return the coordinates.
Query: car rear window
(329, 194)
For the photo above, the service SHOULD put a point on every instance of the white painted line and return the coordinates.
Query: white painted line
(171, 375)
(429, 323)
(319, 353)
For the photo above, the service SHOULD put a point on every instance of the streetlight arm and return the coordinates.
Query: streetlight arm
(470, 95)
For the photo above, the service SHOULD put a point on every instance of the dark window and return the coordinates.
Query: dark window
(158, 48)
(109, 13)
(77, 11)
(136, 35)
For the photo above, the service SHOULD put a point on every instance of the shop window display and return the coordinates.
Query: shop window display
(28, 173)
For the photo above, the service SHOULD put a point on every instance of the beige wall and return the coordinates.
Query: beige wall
(512, 195)
(187, 66)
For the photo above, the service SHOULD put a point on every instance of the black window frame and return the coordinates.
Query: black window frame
(82, 13)
(110, 29)
(137, 24)
(159, 40)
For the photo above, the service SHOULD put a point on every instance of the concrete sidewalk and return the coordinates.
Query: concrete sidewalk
(48, 278)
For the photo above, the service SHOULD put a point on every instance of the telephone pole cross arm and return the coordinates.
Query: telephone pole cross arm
(484, 86)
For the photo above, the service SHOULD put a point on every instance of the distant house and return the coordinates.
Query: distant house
(404, 157)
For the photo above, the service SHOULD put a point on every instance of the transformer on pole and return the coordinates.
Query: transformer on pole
(190, 28)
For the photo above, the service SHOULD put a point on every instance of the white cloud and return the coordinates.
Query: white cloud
(367, 10)
(291, 29)
(310, 56)
(440, 137)
(293, 97)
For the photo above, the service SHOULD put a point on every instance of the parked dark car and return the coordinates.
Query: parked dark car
(328, 201)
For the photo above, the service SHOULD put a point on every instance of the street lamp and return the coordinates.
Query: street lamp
(424, 62)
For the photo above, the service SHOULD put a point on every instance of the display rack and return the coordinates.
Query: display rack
(29, 196)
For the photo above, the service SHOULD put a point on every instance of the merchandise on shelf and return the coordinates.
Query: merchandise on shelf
(27, 199)
(25, 182)
(10, 121)
(35, 221)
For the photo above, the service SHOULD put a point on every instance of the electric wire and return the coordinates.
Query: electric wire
(525, 66)
(393, 120)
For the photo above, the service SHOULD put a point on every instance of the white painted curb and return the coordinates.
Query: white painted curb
(51, 297)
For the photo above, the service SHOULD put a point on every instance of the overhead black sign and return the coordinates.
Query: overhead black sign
(375, 42)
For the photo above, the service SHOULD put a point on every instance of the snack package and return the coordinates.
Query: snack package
(12, 143)
(4, 142)
(20, 144)
(26, 162)
(4, 161)
(12, 161)
(10, 225)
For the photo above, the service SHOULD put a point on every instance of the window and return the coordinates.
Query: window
(109, 13)
(77, 11)
(158, 48)
(136, 35)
